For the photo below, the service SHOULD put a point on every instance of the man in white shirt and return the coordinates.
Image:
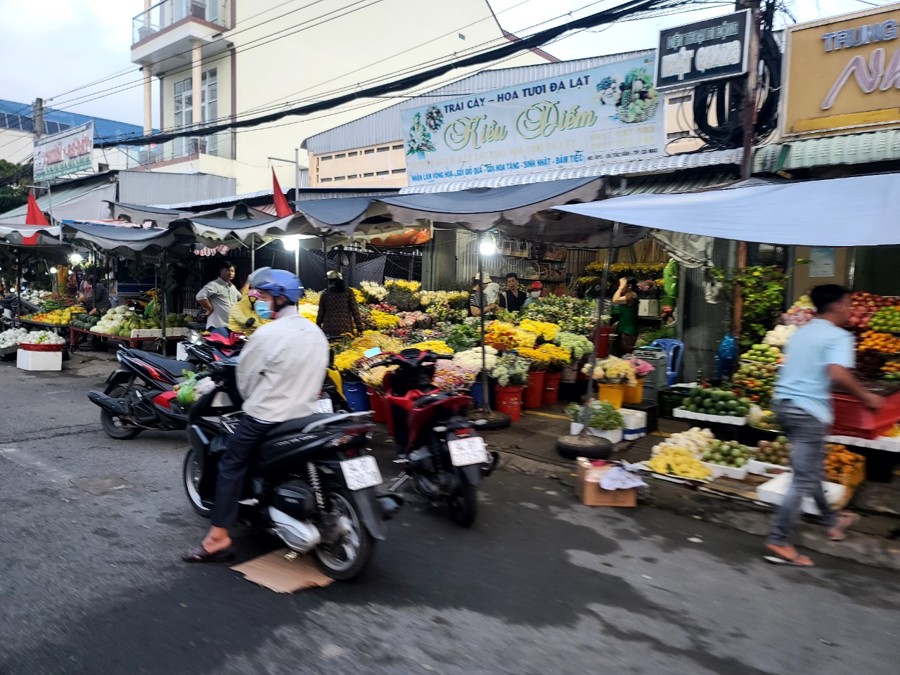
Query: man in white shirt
(218, 296)
(279, 376)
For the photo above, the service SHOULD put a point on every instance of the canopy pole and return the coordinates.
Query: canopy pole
(297, 260)
(325, 258)
(252, 252)
(604, 282)
(485, 392)
(163, 307)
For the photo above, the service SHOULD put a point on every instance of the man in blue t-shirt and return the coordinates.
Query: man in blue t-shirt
(820, 355)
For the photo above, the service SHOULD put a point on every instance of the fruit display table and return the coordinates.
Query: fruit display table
(78, 335)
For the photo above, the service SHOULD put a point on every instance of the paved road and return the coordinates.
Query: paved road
(91, 529)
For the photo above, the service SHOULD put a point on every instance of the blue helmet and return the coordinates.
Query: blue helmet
(278, 282)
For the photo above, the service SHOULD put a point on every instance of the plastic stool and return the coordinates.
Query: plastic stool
(674, 351)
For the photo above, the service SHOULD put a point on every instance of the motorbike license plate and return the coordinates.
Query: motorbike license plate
(465, 451)
(361, 472)
(323, 405)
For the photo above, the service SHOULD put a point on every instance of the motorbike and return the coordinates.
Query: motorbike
(439, 448)
(141, 393)
(312, 483)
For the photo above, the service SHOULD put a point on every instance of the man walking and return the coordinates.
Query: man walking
(819, 355)
(218, 296)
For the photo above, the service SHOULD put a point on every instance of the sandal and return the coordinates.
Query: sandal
(201, 555)
(796, 560)
(846, 520)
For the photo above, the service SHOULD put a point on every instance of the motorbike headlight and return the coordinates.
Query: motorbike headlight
(194, 337)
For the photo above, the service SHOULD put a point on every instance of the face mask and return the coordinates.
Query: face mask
(263, 308)
(535, 294)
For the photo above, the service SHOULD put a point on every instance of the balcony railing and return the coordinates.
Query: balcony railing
(168, 12)
(216, 145)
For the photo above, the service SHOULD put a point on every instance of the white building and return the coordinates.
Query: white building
(235, 59)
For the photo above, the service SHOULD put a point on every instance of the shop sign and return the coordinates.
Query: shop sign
(843, 74)
(65, 153)
(702, 51)
(589, 118)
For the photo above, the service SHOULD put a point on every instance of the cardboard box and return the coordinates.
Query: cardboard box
(283, 572)
(588, 490)
(27, 360)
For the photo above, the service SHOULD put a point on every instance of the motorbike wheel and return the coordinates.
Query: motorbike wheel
(114, 426)
(463, 504)
(346, 558)
(191, 474)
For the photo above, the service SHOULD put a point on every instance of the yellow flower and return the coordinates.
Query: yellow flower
(556, 355)
(383, 320)
(359, 295)
(345, 361)
(372, 338)
(436, 346)
(545, 329)
(402, 284)
(539, 360)
(308, 311)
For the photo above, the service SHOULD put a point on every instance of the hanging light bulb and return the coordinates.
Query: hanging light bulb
(76, 259)
(487, 247)
(291, 242)
(53, 270)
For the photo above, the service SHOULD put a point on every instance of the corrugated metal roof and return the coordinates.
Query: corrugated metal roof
(153, 187)
(385, 125)
(305, 193)
(674, 183)
(867, 148)
(694, 160)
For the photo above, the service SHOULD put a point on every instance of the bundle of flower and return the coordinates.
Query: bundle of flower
(308, 311)
(383, 321)
(403, 294)
(501, 336)
(374, 376)
(511, 369)
(452, 377)
(373, 292)
(451, 299)
(557, 357)
(403, 285)
(472, 358)
(371, 338)
(441, 312)
(414, 319)
(641, 367)
(539, 360)
(525, 338)
(359, 295)
(548, 331)
(576, 315)
(436, 346)
(577, 345)
(347, 361)
(611, 371)
(311, 297)
(603, 415)
(385, 307)
(461, 336)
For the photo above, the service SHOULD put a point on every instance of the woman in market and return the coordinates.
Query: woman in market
(243, 317)
(534, 292)
(625, 301)
(100, 302)
(338, 310)
(478, 296)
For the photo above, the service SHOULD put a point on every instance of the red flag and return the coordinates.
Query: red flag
(34, 216)
(282, 208)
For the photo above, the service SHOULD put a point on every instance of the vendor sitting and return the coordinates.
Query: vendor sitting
(534, 292)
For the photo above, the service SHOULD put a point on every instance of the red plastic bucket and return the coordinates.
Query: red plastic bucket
(603, 343)
(534, 390)
(378, 405)
(551, 388)
(509, 401)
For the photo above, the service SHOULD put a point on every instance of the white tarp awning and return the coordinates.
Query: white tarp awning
(857, 211)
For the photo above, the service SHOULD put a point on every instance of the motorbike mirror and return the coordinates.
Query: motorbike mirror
(194, 337)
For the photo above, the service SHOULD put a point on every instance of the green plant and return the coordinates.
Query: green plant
(762, 291)
(604, 416)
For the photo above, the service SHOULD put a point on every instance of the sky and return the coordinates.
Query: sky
(63, 46)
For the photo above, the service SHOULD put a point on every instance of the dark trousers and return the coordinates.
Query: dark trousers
(233, 465)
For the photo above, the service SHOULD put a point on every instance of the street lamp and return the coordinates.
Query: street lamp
(487, 247)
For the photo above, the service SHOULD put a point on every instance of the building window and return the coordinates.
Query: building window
(340, 156)
(339, 178)
(397, 147)
(352, 154)
(383, 148)
(675, 135)
(325, 158)
(382, 173)
(399, 171)
(370, 151)
(326, 180)
(368, 175)
(351, 177)
(680, 99)
(184, 114)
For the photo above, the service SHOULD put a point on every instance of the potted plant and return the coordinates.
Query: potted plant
(472, 359)
(557, 359)
(612, 375)
(634, 393)
(534, 391)
(605, 421)
(511, 373)
(347, 363)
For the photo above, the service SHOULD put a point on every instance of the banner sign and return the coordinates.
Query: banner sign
(843, 74)
(65, 153)
(706, 50)
(590, 118)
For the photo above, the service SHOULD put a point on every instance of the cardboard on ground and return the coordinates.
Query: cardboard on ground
(283, 574)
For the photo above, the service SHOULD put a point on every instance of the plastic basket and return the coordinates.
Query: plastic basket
(852, 418)
(670, 398)
(41, 347)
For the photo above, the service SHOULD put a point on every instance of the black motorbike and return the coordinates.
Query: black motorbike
(312, 483)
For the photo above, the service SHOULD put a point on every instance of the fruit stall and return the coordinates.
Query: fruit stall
(124, 324)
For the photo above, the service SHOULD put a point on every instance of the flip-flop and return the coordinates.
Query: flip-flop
(201, 555)
(849, 520)
(776, 559)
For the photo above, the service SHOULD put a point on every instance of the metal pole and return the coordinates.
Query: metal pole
(485, 392)
(297, 260)
(604, 281)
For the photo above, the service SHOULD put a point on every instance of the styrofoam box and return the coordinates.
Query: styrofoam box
(719, 419)
(758, 468)
(613, 436)
(719, 470)
(774, 491)
(27, 360)
(886, 443)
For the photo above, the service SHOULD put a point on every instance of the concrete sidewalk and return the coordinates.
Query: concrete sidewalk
(529, 446)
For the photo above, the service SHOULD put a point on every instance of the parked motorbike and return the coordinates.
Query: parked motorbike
(439, 448)
(141, 393)
(312, 483)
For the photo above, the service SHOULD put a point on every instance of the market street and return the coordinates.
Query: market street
(91, 530)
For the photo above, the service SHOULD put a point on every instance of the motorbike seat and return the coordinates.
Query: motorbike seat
(300, 424)
(172, 366)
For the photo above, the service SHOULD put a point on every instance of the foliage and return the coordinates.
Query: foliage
(762, 291)
(461, 336)
(604, 415)
(511, 369)
(577, 345)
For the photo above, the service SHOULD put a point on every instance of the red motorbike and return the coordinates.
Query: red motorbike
(440, 451)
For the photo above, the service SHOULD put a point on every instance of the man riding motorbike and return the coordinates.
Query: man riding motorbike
(279, 376)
